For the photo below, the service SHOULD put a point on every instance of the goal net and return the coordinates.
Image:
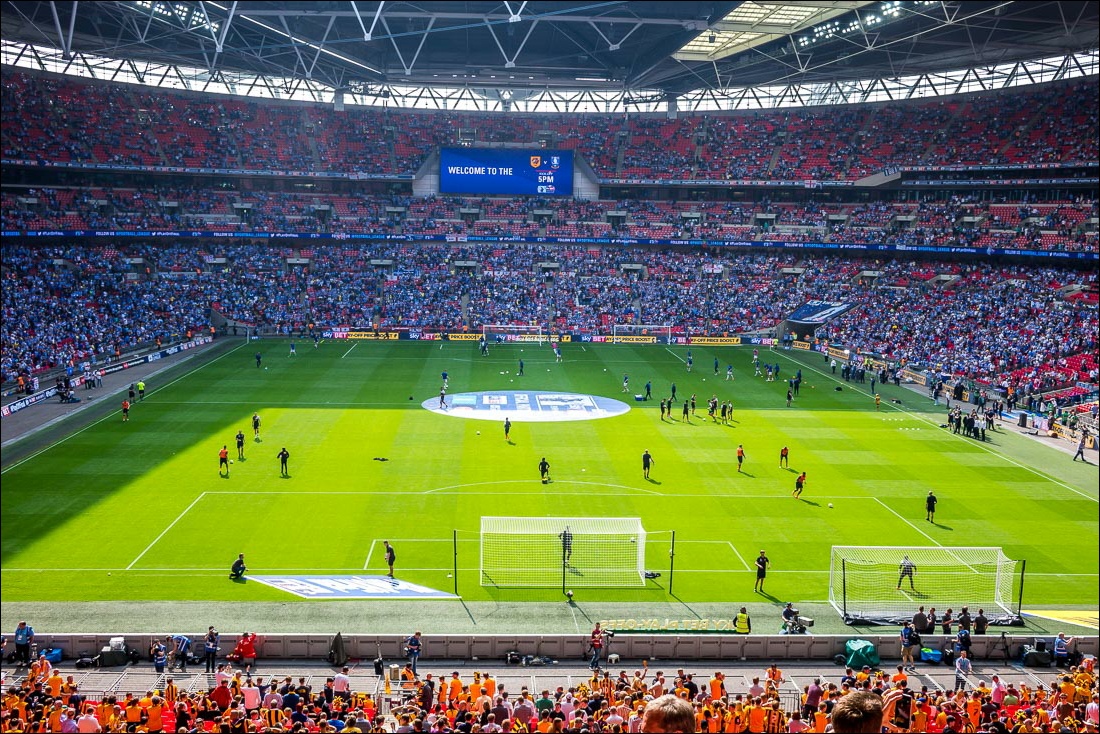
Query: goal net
(511, 334)
(641, 333)
(886, 584)
(562, 551)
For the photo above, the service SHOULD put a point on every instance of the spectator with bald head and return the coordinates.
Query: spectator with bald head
(668, 715)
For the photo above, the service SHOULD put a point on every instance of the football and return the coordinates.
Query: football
(479, 433)
(230, 461)
(830, 505)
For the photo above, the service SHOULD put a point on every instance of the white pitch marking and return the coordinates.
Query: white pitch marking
(165, 531)
(366, 564)
(739, 556)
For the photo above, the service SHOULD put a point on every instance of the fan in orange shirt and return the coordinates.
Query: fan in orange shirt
(454, 688)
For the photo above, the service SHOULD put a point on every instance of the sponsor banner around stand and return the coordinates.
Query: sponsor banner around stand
(708, 341)
(350, 587)
(374, 335)
(413, 237)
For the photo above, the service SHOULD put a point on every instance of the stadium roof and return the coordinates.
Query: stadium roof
(651, 49)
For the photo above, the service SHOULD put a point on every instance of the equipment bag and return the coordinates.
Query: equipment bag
(928, 655)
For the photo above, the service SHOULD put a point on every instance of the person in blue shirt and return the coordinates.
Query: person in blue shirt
(715, 366)
(1061, 649)
(24, 636)
(413, 647)
(648, 389)
(210, 649)
(160, 657)
(180, 646)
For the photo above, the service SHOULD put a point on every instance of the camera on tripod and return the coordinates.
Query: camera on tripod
(794, 623)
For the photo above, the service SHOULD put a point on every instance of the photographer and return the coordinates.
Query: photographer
(596, 645)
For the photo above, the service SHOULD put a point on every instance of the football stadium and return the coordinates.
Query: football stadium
(550, 366)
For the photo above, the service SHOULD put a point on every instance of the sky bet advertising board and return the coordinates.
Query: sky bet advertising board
(512, 172)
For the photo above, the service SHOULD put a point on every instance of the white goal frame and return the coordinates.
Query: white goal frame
(641, 334)
(529, 552)
(863, 582)
(513, 333)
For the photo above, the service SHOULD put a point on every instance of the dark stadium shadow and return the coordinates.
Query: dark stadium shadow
(808, 502)
(580, 610)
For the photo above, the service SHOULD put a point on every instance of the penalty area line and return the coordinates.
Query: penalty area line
(674, 354)
(353, 346)
(899, 516)
(370, 552)
(739, 556)
(165, 531)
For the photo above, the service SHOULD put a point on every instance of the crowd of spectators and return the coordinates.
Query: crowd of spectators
(1049, 226)
(863, 700)
(1010, 325)
(99, 122)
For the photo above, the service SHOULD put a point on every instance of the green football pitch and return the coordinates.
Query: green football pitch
(138, 511)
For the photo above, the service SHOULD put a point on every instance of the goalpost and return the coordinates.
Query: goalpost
(562, 551)
(868, 584)
(641, 333)
(511, 334)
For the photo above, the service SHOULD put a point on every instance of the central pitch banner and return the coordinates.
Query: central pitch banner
(495, 171)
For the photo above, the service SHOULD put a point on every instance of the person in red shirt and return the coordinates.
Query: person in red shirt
(222, 696)
(245, 651)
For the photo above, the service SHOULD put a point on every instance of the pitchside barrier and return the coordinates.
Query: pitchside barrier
(629, 646)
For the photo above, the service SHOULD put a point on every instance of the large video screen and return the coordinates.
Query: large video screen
(494, 171)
